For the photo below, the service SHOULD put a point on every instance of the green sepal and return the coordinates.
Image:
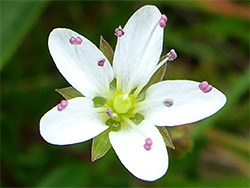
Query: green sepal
(182, 140)
(100, 145)
(157, 77)
(106, 49)
(113, 86)
(166, 136)
(69, 93)
(99, 102)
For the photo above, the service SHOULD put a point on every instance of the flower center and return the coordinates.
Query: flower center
(119, 109)
(122, 103)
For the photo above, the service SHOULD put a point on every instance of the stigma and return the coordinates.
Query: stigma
(171, 55)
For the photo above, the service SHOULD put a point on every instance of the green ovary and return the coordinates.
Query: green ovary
(122, 104)
(120, 108)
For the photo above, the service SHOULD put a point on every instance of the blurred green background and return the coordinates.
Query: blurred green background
(212, 42)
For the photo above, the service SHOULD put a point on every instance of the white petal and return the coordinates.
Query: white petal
(139, 49)
(79, 63)
(78, 122)
(190, 104)
(128, 144)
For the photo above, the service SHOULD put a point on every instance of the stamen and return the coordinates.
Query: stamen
(72, 40)
(205, 87)
(147, 147)
(109, 112)
(59, 107)
(208, 89)
(75, 41)
(164, 17)
(62, 105)
(163, 20)
(168, 102)
(148, 144)
(162, 23)
(149, 141)
(119, 32)
(171, 55)
(101, 63)
(78, 40)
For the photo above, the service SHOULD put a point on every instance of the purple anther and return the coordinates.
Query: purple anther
(78, 40)
(171, 55)
(109, 112)
(119, 32)
(62, 105)
(162, 23)
(147, 147)
(164, 18)
(168, 102)
(149, 141)
(75, 41)
(101, 63)
(72, 40)
(148, 144)
(205, 87)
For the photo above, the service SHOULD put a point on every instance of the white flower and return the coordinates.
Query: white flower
(140, 147)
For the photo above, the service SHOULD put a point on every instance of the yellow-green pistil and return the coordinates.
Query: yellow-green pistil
(122, 103)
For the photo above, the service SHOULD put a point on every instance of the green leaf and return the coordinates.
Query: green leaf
(17, 19)
(166, 136)
(100, 145)
(73, 174)
(106, 49)
(69, 93)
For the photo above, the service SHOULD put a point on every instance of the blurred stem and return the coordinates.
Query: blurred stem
(238, 89)
(236, 160)
(228, 140)
(20, 17)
